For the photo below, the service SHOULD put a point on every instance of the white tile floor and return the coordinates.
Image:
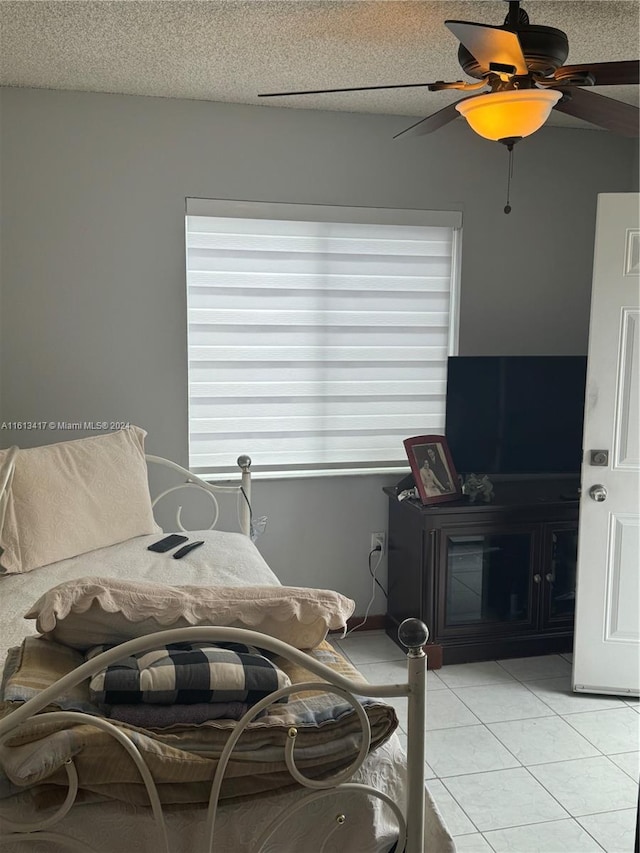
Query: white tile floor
(516, 762)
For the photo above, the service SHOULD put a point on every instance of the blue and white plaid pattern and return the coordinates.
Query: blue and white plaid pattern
(186, 673)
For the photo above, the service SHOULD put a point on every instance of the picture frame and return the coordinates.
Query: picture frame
(433, 469)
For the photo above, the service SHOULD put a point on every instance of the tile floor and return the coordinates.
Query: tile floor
(516, 762)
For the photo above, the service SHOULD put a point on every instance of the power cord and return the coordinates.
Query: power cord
(372, 572)
(248, 502)
(257, 525)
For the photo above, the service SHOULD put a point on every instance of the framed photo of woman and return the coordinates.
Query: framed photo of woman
(433, 469)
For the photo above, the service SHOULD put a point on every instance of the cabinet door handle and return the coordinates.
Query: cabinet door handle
(537, 578)
(549, 576)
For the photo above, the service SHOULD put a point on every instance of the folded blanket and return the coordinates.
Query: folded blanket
(186, 673)
(163, 716)
(36, 664)
(183, 758)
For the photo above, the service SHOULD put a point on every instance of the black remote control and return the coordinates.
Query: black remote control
(181, 552)
(167, 543)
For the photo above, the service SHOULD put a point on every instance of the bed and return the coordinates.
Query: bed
(298, 767)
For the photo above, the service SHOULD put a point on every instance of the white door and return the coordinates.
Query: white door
(607, 637)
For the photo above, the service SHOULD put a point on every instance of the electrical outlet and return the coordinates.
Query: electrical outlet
(378, 540)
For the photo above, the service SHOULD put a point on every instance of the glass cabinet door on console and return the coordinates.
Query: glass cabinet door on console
(486, 575)
(561, 546)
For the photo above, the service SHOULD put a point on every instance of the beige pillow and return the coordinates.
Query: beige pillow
(96, 611)
(65, 499)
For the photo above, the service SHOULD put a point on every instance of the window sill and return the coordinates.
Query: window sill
(305, 474)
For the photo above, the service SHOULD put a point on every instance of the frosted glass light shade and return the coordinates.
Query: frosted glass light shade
(508, 115)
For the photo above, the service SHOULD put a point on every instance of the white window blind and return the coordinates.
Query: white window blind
(318, 337)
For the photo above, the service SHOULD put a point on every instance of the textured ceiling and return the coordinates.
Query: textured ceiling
(228, 50)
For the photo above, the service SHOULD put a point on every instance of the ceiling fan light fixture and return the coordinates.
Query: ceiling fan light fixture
(509, 115)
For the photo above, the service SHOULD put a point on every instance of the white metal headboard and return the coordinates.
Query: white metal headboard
(192, 481)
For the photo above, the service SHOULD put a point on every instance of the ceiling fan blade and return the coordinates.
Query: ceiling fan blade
(432, 122)
(605, 112)
(350, 89)
(490, 44)
(604, 73)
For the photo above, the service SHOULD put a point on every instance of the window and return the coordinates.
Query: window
(318, 336)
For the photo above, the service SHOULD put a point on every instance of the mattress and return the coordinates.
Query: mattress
(225, 559)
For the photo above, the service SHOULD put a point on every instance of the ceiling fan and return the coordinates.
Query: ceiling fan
(520, 68)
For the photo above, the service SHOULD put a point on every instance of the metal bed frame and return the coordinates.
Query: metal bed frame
(412, 633)
(191, 481)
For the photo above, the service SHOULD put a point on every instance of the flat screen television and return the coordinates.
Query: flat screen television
(516, 414)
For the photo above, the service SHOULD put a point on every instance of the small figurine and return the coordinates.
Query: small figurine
(478, 487)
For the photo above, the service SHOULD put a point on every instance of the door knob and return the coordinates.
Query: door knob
(598, 493)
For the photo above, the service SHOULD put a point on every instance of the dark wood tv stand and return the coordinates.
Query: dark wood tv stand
(490, 580)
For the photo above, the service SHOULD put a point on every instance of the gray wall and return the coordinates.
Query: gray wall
(92, 262)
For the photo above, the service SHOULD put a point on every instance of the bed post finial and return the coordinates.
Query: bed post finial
(413, 634)
(244, 462)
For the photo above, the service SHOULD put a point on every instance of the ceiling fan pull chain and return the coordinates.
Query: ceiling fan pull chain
(507, 207)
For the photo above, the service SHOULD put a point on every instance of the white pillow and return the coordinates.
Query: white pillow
(65, 499)
(99, 611)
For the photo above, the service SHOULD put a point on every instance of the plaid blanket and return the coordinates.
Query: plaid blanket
(186, 673)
